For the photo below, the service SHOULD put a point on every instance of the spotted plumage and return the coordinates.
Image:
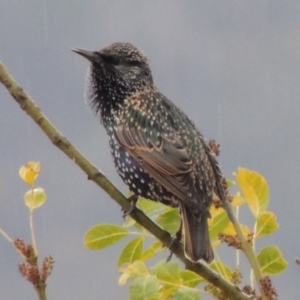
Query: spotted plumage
(157, 150)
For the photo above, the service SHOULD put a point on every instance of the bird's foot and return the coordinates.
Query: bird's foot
(133, 200)
(169, 256)
(175, 239)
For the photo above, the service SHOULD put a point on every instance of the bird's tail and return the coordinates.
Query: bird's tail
(197, 243)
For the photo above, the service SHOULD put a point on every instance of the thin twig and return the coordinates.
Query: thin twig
(12, 242)
(34, 244)
(249, 252)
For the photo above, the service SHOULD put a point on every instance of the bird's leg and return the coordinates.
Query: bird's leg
(176, 238)
(133, 200)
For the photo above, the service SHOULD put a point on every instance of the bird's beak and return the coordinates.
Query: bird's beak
(89, 55)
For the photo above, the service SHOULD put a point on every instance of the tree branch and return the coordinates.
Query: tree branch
(28, 105)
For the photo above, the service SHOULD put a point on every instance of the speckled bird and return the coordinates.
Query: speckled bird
(157, 149)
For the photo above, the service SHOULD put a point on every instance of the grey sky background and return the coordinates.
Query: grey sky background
(232, 66)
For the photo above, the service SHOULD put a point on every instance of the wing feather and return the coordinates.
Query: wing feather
(165, 159)
(160, 142)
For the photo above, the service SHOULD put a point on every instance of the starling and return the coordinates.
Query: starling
(156, 148)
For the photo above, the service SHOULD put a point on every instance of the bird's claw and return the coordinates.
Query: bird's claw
(175, 239)
(133, 200)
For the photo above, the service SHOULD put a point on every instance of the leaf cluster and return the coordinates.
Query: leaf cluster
(166, 280)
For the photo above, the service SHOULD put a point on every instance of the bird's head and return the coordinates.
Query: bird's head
(116, 72)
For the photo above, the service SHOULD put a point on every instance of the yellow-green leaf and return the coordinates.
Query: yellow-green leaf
(222, 269)
(185, 293)
(190, 278)
(167, 272)
(214, 211)
(255, 190)
(231, 230)
(169, 220)
(104, 235)
(30, 171)
(149, 206)
(144, 288)
(35, 198)
(266, 224)
(134, 270)
(271, 260)
(215, 244)
(131, 252)
(129, 222)
(218, 224)
(238, 200)
(167, 291)
(230, 183)
(151, 251)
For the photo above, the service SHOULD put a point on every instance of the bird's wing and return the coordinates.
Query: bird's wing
(161, 153)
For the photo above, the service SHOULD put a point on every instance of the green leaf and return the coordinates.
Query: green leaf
(169, 220)
(149, 206)
(131, 252)
(151, 251)
(129, 222)
(104, 235)
(222, 269)
(169, 275)
(266, 224)
(190, 278)
(184, 293)
(144, 288)
(167, 272)
(218, 224)
(271, 260)
(167, 291)
(255, 190)
(35, 198)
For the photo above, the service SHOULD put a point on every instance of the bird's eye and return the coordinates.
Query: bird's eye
(119, 61)
(110, 59)
(133, 63)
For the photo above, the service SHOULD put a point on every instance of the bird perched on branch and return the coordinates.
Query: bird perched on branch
(157, 150)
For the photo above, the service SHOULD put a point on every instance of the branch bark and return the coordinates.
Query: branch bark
(27, 104)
